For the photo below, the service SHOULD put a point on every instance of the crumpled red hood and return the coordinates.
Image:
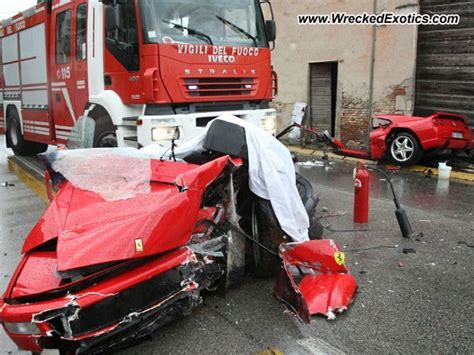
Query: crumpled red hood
(91, 231)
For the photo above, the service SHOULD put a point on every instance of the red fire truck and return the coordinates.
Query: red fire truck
(146, 71)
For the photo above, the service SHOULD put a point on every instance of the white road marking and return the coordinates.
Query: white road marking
(318, 346)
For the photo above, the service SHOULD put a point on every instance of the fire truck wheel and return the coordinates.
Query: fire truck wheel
(19, 145)
(105, 135)
(265, 230)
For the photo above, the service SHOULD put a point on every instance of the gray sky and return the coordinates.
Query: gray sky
(9, 7)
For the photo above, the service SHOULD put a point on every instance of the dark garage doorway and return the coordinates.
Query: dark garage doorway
(322, 95)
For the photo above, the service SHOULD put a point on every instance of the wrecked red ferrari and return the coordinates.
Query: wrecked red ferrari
(405, 139)
(99, 273)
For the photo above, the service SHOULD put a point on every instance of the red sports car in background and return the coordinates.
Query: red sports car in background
(404, 139)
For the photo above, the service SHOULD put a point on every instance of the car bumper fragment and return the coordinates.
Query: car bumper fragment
(314, 280)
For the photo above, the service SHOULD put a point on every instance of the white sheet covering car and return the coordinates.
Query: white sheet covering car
(271, 170)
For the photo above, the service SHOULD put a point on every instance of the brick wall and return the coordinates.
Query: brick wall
(354, 119)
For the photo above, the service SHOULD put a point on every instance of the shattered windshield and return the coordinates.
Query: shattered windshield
(214, 22)
(113, 173)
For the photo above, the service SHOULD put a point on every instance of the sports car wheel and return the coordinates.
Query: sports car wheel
(266, 231)
(404, 149)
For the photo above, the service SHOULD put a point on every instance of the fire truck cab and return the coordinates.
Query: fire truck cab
(146, 71)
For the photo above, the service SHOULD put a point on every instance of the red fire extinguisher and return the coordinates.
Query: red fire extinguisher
(361, 194)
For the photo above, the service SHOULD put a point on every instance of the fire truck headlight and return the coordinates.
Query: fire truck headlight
(269, 124)
(165, 133)
(22, 328)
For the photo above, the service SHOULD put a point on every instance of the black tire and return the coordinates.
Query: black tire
(316, 229)
(263, 219)
(404, 149)
(310, 201)
(19, 145)
(305, 189)
(105, 135)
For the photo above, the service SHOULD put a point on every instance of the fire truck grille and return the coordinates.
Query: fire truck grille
(219, 86)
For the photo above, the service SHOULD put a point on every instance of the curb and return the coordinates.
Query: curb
(455, 175)
(30, 180)
(320, 153)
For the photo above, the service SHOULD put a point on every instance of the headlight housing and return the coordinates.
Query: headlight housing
(165, 133)
(26, 328)
(269, 124)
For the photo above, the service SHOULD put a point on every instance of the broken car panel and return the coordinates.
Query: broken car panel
(314, 279)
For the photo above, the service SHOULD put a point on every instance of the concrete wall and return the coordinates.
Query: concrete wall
(351, 46)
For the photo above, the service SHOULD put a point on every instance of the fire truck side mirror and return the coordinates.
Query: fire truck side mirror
(270, 27)
(113, 17)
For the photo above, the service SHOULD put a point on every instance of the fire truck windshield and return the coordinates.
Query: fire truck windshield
(216, 22)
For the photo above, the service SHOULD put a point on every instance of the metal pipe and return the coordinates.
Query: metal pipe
(372, 68)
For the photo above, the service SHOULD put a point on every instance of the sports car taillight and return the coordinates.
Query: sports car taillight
(26, 328)
(438, 122)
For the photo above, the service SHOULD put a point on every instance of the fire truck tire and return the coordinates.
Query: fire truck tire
(19, 145)
(105, 135)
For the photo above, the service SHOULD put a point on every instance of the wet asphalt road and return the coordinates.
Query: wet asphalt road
(406, 303)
